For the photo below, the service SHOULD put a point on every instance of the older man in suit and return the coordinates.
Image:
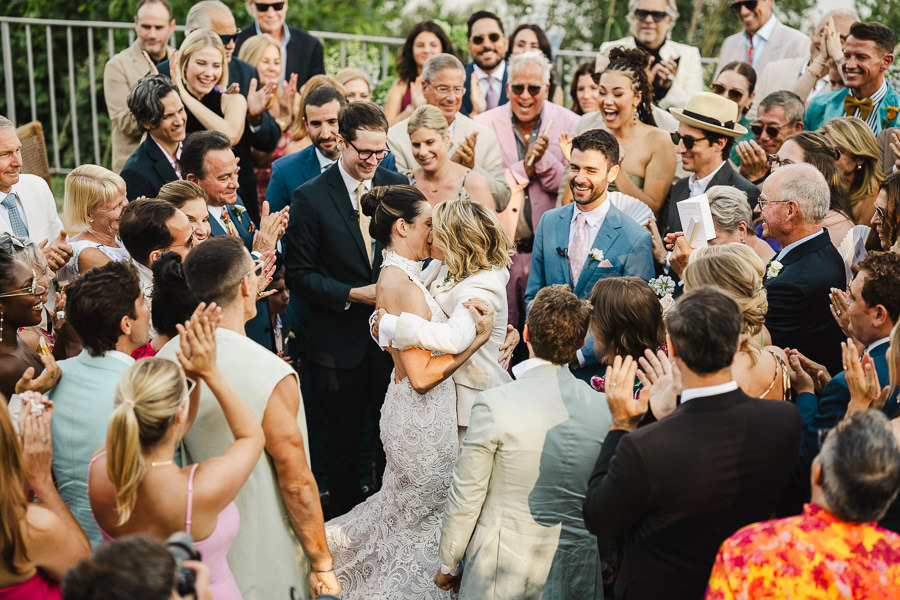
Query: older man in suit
(764, 38)
(27, 207)
(794, 201)
(473, 145)
(528, 129)
(514, 507)
(868, 54)
(154, 24)
(332, 262)
(720, 460)
(155, 104)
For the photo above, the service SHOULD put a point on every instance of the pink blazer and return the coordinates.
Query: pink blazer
(548, 172)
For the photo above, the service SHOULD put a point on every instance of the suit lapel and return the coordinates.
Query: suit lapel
(561, 240)
(161, 164)
(807, 247)
(606, 237)
(505, 136)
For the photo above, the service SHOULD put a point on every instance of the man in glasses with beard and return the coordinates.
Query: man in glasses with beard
(707, 129)
(487, 46)
(764, 39)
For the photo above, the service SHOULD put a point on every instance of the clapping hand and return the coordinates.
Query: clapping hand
(862, 380)
(839, 309)
(58, 252)
(661, 379)
(479, 103)
(268, 258)
(817, 372)
(754, 160)
(465, 151)
(627, 412)
(534, 153)
(895, 146)
(663, 73)
(565, 145)
(44, 382)
(197, 341)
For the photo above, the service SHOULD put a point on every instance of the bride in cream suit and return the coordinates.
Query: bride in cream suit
(475, 251)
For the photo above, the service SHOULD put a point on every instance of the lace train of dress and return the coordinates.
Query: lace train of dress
(386, 548)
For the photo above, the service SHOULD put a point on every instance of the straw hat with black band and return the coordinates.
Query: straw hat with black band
(713, 113)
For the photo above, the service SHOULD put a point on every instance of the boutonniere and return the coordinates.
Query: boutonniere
(892, 112)
(290, 335)
(596, 254)
(773, 269)
(448, 282)
(238, 210)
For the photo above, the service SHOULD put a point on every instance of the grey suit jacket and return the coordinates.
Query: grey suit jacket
(785, 42)
(488, 160)
(888, 159)
(514, 507)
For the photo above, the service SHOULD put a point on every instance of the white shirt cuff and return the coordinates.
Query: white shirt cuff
(448, 571)
(580, 356)
(387, 330)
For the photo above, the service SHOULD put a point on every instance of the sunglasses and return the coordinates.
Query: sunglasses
(261, 7)
(733, 94)
(479, 39)
(658, 15)
(191, 384)
(748, 4)
(518, 89)
(32, 290)
(770, 130)
(230, 37)
(879, 212)
(686, 140)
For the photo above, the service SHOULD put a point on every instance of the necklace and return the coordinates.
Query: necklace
(162, 463)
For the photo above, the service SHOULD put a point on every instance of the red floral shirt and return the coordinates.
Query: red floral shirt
(812, 555)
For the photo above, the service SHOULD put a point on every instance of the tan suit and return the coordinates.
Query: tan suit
(488, 160)
(119, 76)
(785, 42)
(514, 507)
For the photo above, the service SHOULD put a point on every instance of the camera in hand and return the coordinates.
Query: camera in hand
(181, 546)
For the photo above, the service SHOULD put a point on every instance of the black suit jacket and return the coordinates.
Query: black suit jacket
(325, 257)
(147, 170)
(799, 313)
(466, 107)
(682, 191)
(678, 487)
(305, 56)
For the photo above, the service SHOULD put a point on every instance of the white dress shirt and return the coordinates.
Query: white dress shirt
(594, 219)
(527, 365)
(760, 38)
(789, 247)
(698, 186)
(324, 161)
(497, 82)
(5, 211)
(710, 390)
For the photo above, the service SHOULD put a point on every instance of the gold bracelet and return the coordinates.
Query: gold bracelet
(322, 570)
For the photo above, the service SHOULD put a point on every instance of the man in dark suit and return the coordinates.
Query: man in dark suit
(677, 488)
(799, 280)
(156, 106)
(302, 54)
(706, 132)
(329, 262)
(487, 46)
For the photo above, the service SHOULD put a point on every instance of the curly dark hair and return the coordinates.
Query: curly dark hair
(634, 62)
(407, 70)
(882, 284)
(96, 302)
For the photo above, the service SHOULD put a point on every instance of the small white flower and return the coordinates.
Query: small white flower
(664, 286)
(596, 254)
(774, 269)
(290, 335)
(448, 282)
(238, 211)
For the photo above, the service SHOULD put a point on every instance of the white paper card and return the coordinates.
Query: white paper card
(696, 221)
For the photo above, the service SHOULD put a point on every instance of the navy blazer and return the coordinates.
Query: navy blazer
(799, 314)
(305, 55)
(466, 107)
(682, 191)
(147, 170)
(325, 256)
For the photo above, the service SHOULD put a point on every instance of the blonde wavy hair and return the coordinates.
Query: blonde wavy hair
(87, 187)
(198, 40)
(470, 237)
(427, 116)
(13, 504)
(852, 135)
(738, 270)
(148, 397)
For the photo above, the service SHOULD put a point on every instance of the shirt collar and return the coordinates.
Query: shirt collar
(789, 247)
(324, 161)
(877, 96)
(710, 390)
(877, 343)
(119, 356)
(215, 211)
(172, 159)
(705, 181)
(351, 184)
(765, 32)
(595, 216)
(497, 74)
(527, 365)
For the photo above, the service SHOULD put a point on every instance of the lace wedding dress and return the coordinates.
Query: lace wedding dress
(386, 548)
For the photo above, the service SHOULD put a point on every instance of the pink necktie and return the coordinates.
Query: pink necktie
(578, 247)
(491, 96)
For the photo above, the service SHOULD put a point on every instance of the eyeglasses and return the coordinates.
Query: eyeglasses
(261, 7)
(479, 39)
(32, 290)
(446, 89)
(518, 89)
(658, 15)
(762, 203)
(748, 4)
(688, 141)
(879, 213)
(770, 130)
(259, 265)
(367, 154)
(733, 94)
(230, 37)
(776, 162)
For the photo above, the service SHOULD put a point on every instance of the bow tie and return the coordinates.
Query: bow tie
(851, 104)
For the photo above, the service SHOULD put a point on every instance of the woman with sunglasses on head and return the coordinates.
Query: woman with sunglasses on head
(859, 161)
(527, 38)
(134, 485)
(737, 82)
(425, 39)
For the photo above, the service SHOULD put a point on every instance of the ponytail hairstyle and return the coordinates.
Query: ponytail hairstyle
(148, 397)
(387, 204)
(634, 62)
(12, 501)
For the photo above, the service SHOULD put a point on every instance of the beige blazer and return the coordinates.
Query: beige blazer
(41, 218)
(121, 73)
(784, 42)
(514, 509)
(488, 160)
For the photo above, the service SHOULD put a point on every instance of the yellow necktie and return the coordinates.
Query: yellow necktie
(851, 104)
(364, 221)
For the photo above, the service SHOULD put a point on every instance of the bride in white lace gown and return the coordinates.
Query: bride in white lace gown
(386, 548)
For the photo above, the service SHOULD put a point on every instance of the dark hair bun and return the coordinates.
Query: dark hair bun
(633, 57)
(167, 269)
(370, 201)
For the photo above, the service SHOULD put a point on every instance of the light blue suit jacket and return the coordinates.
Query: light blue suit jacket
(824, 107)
(82, 405)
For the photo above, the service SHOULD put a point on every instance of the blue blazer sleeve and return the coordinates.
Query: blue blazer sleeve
(640, 261)
(537, 278)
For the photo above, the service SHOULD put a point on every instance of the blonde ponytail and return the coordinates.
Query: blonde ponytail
(125, 464)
